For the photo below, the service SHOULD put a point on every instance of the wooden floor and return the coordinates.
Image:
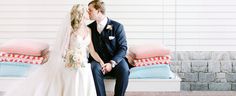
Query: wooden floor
(181, 93)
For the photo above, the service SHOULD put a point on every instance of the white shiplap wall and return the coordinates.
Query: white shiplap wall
(32, 19)
(182, 25)
(206, 25)
(40, 19)
(145, 20)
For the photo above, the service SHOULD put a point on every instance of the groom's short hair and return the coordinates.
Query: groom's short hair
(98, 5)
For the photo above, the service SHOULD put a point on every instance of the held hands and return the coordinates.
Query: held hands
(106, 68)
(102, 65)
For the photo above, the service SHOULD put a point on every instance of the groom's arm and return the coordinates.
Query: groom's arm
(121, 43)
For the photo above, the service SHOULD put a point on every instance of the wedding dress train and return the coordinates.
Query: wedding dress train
(54, 79)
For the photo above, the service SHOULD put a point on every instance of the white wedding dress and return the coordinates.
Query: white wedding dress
(54, 79)
(84, 83)
(84, 79)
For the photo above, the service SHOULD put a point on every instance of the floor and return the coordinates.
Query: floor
(181, 93)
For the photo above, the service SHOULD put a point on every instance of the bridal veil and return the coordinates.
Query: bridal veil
(40, 81)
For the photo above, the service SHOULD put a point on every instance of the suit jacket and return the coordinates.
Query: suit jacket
(111, 44)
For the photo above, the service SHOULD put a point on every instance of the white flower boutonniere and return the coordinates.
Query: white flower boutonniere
(109, 27)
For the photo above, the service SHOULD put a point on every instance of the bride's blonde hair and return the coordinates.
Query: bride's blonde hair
(77, 13)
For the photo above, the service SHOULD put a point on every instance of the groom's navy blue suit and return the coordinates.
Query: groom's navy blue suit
(110, 44)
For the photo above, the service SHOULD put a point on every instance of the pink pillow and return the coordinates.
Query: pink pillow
(26, 47)
(6, 57)
(130, 57)
(152, 61)
(148, 50)
(21, 60)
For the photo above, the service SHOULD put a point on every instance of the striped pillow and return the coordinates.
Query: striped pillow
(152, 61)
(6, 57)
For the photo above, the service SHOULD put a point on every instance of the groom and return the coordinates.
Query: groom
(110, 43)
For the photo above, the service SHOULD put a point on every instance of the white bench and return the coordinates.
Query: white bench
(147, 85)
(135, 85)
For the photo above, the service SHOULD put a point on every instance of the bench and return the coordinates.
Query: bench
(148, 85)
(135, 85)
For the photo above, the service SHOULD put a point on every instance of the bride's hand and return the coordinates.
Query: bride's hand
(102, 66)
(101, 63)
(103, 69)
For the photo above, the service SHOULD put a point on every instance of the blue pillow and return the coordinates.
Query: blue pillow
(159, 71)
(15, 69)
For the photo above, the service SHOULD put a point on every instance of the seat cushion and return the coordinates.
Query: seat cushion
(11, 69)
(160, 71)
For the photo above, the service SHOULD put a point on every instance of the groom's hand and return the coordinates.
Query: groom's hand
(106, 67)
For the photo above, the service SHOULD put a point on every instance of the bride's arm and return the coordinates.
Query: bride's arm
(93, 53)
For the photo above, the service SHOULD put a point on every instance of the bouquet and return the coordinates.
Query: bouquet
(74, 58)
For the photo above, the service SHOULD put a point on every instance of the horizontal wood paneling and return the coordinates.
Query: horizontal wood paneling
(192, 25)
(205, 25)
(40, 19)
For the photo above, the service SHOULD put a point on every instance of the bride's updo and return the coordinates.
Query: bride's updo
(76, 16)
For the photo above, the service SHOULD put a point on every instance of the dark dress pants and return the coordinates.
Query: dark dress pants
(120, 72)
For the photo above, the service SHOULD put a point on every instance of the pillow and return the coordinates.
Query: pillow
(130, 57)
(161, 71)
(26, 47)
(152, 61)
(13, 69)
(148, 50)
(6, 57)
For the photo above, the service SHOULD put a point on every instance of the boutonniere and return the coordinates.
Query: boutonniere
(109, 27)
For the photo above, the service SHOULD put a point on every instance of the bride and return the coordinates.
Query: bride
(59, 77)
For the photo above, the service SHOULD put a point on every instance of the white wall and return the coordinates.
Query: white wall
(182, 25)
(144, 20)
(40, 19)
(31, 19)
(206, 25)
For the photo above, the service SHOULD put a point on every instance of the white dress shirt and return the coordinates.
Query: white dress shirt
(102, 24)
